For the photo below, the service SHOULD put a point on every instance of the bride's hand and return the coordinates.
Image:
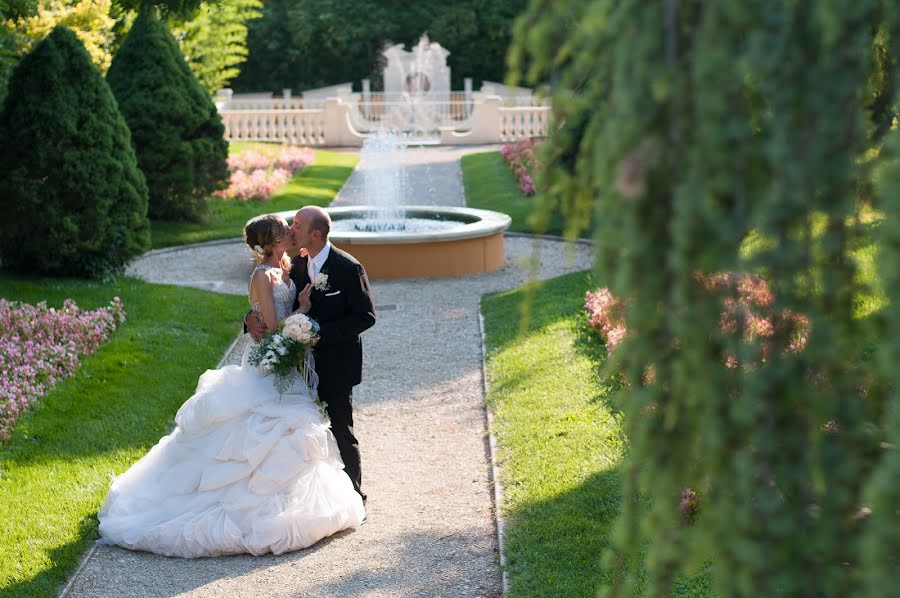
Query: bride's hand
(303, 300)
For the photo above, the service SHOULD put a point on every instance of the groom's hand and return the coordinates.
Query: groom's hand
(255, 326)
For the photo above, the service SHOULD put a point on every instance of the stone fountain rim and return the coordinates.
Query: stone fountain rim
(488, 223)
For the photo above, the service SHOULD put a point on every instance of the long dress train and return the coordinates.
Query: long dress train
(246, 470)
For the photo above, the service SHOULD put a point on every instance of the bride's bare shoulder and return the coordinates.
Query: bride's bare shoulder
(267, 277)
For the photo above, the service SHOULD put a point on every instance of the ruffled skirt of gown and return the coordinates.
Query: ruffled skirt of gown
(246, 470)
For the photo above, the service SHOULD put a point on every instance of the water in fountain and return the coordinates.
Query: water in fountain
(382, 164)
(384, 176)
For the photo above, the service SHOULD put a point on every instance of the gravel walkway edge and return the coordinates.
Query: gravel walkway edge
(497, 483)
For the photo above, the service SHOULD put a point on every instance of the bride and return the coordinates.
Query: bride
(246, 470)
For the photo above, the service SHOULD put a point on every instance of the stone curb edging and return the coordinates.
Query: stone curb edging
(87, 557)
(579, 241)
(81, 565)
(174, 248)
(495, 470)
(215, 242)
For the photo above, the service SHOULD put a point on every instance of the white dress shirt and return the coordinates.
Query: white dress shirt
(314, 265)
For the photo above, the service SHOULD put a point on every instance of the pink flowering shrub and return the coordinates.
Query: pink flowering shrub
(258, 173)
(521, 157)
(750, 302)
(752, 305)
(39, 346)
(606, 315)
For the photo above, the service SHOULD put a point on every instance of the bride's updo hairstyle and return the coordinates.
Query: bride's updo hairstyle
(263, 234)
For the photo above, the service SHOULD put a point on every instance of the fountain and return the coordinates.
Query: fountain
(393, 240)
(417, 88)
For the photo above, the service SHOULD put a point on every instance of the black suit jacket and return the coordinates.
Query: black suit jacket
(343, 311)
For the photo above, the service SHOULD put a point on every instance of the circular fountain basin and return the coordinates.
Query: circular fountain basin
(462, 241)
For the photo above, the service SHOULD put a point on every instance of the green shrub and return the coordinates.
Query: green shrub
(714, 140)
(72, 197)
(177, 133)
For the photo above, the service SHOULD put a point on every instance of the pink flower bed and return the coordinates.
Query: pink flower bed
(256, 184)
(39, 346)
(257, 174)
(521, 157)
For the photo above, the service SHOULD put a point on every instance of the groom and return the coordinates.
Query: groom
(336, 289)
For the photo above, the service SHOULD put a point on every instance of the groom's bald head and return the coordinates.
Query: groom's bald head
(311, 227)
(317, 219)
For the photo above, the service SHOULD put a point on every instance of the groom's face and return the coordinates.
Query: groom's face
(300, 231)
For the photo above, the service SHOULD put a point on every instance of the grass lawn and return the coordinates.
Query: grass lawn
(491, 185)
(560, 441)
(316, 184)
(57, 467)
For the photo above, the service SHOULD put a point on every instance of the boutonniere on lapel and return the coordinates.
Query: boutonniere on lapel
(321, 282)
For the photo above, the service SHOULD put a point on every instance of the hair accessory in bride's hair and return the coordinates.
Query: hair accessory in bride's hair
(258, 249)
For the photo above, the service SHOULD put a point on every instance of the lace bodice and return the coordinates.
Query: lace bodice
(283, 294)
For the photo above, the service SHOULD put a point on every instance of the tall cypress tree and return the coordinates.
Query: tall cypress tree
(72, 197)
(177, 132)
(734, 138)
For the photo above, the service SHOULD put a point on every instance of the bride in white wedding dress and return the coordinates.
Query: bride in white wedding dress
(246, 469)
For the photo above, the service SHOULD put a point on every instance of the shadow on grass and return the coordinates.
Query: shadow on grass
(555, 546)
(560, 546)
(50, 581)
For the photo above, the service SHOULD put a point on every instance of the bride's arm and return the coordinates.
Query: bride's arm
(261, 293)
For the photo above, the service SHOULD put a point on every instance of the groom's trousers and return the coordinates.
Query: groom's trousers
(339, 404)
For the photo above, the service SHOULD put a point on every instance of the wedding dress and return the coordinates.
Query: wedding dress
(246, 470)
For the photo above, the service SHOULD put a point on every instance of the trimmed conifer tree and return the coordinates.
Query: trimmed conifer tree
(72, 197)
(177, 132)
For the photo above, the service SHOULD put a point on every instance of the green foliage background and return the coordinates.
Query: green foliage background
(177, 132)
(73, 200)
(301, 45)
(739, 137)
(214, 41)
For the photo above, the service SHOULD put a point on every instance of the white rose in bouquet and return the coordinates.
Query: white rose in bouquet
(300, 328)
(294, 332)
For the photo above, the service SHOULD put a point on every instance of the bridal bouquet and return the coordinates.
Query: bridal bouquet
(282, 352)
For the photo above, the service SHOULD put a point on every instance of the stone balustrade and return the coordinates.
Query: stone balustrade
(346, 120)
(294, 127)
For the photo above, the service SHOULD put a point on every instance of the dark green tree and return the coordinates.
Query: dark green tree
(176, 130)
(735, 137)
(73, 200)
(184, 9)
(307, 44)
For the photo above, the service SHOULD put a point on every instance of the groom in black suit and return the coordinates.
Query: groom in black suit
(335, 293)
(341, 302)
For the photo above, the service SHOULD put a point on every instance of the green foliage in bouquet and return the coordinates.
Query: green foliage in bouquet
(73, 200)
(177, 132)
(283, 353)
(738, 137)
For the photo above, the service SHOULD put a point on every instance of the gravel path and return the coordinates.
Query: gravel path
(420, 419)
